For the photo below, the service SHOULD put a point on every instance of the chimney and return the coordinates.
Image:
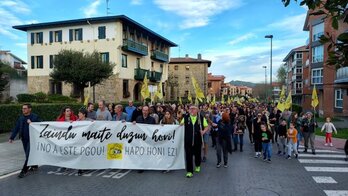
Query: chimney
(186, 55)
(199, 57)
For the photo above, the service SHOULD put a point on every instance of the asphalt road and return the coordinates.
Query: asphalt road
(245, 175)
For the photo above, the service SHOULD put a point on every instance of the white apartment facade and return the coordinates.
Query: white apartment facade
(133, 48)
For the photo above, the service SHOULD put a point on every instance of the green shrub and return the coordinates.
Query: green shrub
(61, 99)
(26, 98)
(47, 112)
(297, 108)
(40, 97)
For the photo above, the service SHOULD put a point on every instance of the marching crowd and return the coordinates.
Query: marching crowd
(224, 124)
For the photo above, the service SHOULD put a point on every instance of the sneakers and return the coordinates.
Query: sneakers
(79, 173)
(264, 159)
(313, 152)
(288, 157)
(189, 175)
(305, 150)
(22, 174)
(218, 165)
(269, 161)
(296, 156)
(204, 159)
(279, 153)
(165, 171)
(225, 165)
(331, 144)
(198, 169)
(325, 144)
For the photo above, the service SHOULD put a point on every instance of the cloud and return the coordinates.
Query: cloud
(291, 23)
(91, 9)
(22, 45)
(16, 6)
(242, 38)
(136, 2)
(197, 13)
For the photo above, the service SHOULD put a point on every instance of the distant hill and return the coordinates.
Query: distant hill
(242, 83)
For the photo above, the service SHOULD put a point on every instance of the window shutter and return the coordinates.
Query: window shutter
(99, 32)
(107, 57)
(51, 61)
(41, 37)
(51, 36)
(71, 34)
(32, 37)
(40, 62)
(32, 62)
(59, 36)
(80, 34)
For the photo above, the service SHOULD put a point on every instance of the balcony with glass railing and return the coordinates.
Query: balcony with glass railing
(135, 47)
(160, 56)
(155, 76)
(342, 76)
(139, 73)
(296, 62)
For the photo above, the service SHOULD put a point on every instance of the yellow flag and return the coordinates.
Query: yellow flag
(145, 93)
(229, 100)
(159, 92)
(196, 101)
(213, 102)
(238, 101)
(198, 91)
(288, 101)
(281, 106)
(189, 97)
(222, 100)
(87, 98)
(282, 95)
(315, 100)
(180, 101)
(209, 98)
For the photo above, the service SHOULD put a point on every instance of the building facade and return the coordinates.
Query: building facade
(215, 85)
(332, 97)
(180, 72)
(298, 76)
(134, 49)
(17, 85)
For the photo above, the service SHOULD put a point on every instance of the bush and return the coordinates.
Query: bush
(26, 98)
(40, 97)
(61, 99)
(47, 112)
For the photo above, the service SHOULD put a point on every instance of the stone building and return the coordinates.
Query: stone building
(180, 72)
(133, 48)
(215, 85)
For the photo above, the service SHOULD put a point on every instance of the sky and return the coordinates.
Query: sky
(230, 33)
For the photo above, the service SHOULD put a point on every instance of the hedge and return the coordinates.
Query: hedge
(47, 112)
(41, 97)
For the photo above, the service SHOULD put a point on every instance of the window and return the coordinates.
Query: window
(187, 80)
(298, 70)
(38, 61)
(176, 67)
(161, 68)
(75, 34)
(125, 88)
(55, 36)
(37, 38)
(124, 60)
(52, 58)
(317, 76)
(101, 32)
(104, 57)
(138, 63)
(338, 98)
(187, 67)
(152, 66)
(317, 54)
(55, 87)
(317, 31)
(209, 84)
(298, 55)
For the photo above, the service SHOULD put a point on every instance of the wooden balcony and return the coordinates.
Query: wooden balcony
(160, 56)
(132, 46)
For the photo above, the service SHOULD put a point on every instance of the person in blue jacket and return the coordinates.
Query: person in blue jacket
(22, 129)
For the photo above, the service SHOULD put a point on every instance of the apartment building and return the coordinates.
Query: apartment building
(181, 70)
(298, 76)
(215, 85)
(332, 97)
(133, 48)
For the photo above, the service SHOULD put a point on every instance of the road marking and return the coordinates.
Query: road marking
(105, 173)
(327, 169)
(322, 161)
(10, 174)
(323, 155)
(324, 150)
(324, 180)
(336, 193)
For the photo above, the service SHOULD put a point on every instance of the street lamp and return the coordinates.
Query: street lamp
(265, 67)
(270, 37)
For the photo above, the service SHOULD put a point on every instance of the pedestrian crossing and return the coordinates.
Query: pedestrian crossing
(324, 165)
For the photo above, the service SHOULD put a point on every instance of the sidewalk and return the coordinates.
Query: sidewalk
(338, 144)
(11, 156)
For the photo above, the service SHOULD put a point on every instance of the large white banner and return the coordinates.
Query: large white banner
(107, 144)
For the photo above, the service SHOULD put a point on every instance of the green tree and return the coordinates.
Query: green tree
(336, 10)
(78, 68)
(3, 78)
(281, 74)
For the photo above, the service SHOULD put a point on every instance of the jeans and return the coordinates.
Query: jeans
(311, 137)
(235, 140)
(267, 150)
(26, 147)
(299, 138)
(281, 144)
(292, 146)
(221, 145)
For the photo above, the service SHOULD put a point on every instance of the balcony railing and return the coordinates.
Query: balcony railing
(155, 76)
(297, 62)
(161, 56)
(296, 91)
(297, 77)
(342, 76)
(132, 46)
(139, 73)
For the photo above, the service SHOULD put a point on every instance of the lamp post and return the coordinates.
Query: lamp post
(265, 67)
(270, 37)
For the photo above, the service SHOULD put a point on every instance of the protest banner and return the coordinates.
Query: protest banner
(107, 144)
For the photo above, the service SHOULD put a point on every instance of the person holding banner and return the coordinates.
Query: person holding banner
(103, 112)
(195, 127)
(119, 114)
(82, 117)
(66, 115)
(22, 128)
